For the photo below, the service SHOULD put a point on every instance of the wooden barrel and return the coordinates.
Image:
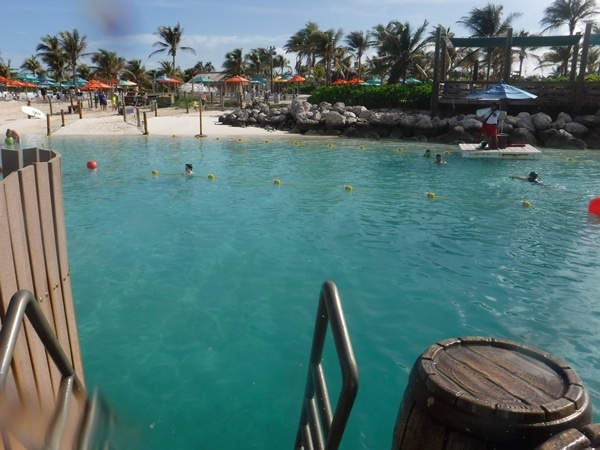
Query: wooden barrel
(502, 140)
(587, 438)
(482, 393)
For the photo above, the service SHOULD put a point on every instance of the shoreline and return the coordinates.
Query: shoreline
(169, 122)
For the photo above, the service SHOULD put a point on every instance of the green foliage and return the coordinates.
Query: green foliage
(399, 96)
(592, 77)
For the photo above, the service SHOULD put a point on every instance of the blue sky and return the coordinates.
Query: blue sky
(215, 27)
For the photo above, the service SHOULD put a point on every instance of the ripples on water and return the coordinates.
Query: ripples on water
(196, 299)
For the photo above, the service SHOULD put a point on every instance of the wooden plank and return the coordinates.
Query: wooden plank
(24, 281)
(56, 193)
(37, 261)
(22, 370)
(30, 156)
(51, 257)
(11, 161)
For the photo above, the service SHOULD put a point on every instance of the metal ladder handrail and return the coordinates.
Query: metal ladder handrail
(318, 427)
(23, 303)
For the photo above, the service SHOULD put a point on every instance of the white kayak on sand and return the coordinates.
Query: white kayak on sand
(32, 112)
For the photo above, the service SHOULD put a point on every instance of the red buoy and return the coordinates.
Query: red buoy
(92, 165)
(594, 206)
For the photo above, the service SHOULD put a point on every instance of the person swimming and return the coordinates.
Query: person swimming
(533, 177)
(427, 153)
(188, 170)
(439, 160)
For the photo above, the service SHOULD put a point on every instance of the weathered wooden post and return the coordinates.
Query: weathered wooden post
(62, 117)
(145, 122)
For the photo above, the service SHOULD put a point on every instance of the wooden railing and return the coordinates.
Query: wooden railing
(555, 94)
(33, 257)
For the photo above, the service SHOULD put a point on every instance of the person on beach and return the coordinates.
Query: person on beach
(12, 136)
(188, 170)
(427, 153)
(439, 160)
(490, 126)
(532, 178)
(102, 99)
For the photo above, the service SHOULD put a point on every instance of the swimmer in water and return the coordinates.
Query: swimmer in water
(439, 160)
(188, 170)
(427, 153)
(532, 178)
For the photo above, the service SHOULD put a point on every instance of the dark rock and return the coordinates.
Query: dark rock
(522, 136)
(561, 139)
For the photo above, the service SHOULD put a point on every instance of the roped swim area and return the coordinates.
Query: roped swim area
(195, 297)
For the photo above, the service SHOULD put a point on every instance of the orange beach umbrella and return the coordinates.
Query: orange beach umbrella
(93, 85)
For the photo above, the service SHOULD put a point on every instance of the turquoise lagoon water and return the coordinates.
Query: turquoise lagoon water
(196, 299)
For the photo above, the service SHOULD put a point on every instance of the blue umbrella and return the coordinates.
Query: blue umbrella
(501, 91)
(201, 79)
(373, 82)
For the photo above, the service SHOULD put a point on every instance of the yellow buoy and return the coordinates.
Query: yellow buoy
(447, 152)
(174, 136)
(276, 181)
(296, 143)
(526, 204)
(239, 139)
(330, 145)
(430, 195)
(155, 172)
(218, 139)
(571, 159)
(267, 141)
(348, 187)
(362, 147)
(211, 176)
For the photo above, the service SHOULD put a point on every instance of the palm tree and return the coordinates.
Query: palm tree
(258, 62)
(5, 69)
(555, 59)
(303, 44)
(326, 44)
(73, 46)
(52, 55)
(167, 69)
(523, 52)
(398, 46)
(33, 65)
(84, 71)
(234, 63)
(136, 72)
(170, 41)
(358, 42)
(281, 62)
(568, 13)
(487, 22)
(107, 64)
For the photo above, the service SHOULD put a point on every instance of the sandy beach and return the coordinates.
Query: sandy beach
(94, 122)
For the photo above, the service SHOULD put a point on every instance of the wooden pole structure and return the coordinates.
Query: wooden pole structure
(62, 117)
(48, 125)
(579, 86)
(50, 104)
(80, 108)
(508, 55)
(145, 122)
(201, 135)
(436, 82)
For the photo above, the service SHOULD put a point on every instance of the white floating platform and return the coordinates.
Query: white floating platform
(515, 151)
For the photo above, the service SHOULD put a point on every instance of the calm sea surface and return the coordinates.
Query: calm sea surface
(196, 299)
